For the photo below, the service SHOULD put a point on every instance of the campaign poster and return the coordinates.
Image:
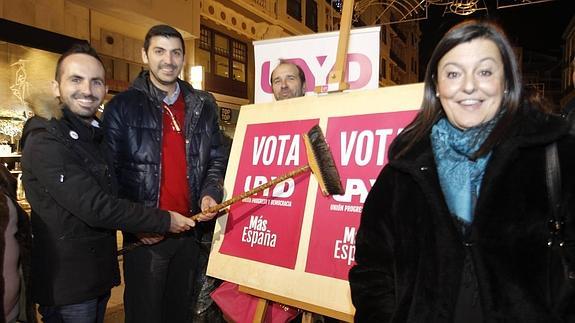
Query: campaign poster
(359, 127)
(359, 145)
(266, 226)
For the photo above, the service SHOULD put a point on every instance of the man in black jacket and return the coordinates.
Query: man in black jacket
(167, 149)
(72, 193)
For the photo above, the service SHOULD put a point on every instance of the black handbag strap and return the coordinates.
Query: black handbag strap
(553, 180)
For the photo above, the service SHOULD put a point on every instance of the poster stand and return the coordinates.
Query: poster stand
(308, 309)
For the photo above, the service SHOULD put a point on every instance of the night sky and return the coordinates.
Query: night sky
(538, 27)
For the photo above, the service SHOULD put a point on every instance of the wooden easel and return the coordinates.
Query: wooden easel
(261, 313)
(308, 309)
(335, 83)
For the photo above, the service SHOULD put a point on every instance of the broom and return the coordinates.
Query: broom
(320, 163)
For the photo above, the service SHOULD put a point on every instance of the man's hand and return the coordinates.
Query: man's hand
(150, 238)
(179, 223)
(207, 202)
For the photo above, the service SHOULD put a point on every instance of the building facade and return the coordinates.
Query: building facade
(218, 34)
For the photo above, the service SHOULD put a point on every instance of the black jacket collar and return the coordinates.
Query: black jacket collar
(84, 130)
(142, 83)
(67, 124)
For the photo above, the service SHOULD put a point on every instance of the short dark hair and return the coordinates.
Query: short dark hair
(77, 48)
(163, 30)
(300, 72)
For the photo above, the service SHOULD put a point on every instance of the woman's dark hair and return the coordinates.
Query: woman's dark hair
(431, 110)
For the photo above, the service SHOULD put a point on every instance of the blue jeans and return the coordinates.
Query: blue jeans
(90, 311)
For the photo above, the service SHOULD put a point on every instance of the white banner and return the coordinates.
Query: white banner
(316, 55)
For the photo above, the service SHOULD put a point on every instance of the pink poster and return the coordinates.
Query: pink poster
(359, 146)
(266, 227)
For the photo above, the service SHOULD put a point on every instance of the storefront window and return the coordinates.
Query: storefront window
(25, 71)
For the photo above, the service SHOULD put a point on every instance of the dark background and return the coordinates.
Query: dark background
(537, 27)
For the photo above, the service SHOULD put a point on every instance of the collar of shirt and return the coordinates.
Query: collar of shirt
(169, 100)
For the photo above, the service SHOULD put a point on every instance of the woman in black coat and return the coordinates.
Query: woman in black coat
(456, 227)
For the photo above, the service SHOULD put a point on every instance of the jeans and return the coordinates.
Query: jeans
(90, 311)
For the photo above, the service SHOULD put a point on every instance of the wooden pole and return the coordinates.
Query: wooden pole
(261, 309)
(306, 317)
(336, 81)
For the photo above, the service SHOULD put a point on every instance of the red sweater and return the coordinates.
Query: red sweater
(174, 190)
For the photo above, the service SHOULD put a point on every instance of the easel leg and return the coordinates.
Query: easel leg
(260, 314)
(306, 317)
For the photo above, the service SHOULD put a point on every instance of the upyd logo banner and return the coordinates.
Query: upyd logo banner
(316, 55)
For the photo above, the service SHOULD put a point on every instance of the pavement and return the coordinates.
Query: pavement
(115, 309)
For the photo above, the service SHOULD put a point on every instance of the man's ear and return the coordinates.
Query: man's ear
(304, 88)
(144, 56)
(55, 88)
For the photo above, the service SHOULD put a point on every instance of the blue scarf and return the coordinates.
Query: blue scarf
(459, 176)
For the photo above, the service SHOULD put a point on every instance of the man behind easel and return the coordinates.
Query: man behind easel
(288, 81)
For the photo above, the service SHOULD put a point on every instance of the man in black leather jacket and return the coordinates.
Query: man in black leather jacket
(72, 192)
(168, 152)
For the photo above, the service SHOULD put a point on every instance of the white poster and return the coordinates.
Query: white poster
(316, 55)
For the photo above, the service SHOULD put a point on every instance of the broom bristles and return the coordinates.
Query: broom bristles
(322, 163)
